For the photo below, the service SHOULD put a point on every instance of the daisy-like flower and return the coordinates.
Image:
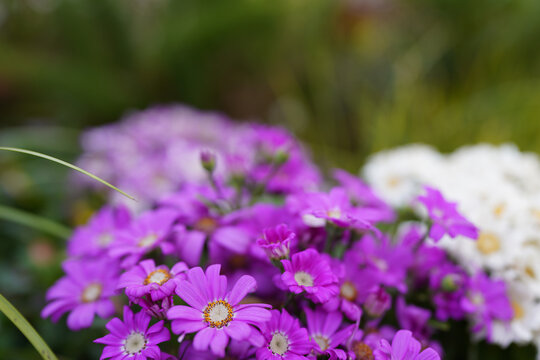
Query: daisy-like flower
(276, 241)
(133, 339)
(486, 300)
(446, 219)
(285, 339)
(323, 330)
(145, 234)
(84, 291)
(335, 207)
(404, 347)
(310, 272)
(214, 313)
(147, 278)
(97, 236)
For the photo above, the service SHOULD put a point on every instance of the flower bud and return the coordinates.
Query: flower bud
(208, 160)
(378, 302)
(276, 242)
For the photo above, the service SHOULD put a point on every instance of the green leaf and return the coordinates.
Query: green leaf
(34, 153)
(24, 326)
(34, 221)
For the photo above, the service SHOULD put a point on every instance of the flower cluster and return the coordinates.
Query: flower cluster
(497, 188)
(152, 153)
(255, 259)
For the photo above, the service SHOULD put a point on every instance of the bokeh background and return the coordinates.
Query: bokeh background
(349, 77)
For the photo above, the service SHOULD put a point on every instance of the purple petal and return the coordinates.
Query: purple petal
(243, 286)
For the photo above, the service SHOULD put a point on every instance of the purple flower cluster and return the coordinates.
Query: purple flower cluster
(254, 260)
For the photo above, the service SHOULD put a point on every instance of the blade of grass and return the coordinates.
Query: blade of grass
(71, 166)
(34, 221)
(24, 326)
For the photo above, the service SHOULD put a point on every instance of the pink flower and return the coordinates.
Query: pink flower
(404, 347)
(214, 313)
(84, 291)
(308, 271)
(132, 339)
(145, 278)
(284, 338)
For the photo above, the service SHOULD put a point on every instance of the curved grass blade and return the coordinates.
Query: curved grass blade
(24, 326)
(34, 221)
(71, 166)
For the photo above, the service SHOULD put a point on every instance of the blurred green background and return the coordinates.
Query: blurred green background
(349, 77)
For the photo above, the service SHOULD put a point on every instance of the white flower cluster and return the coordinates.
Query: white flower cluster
(498, 189)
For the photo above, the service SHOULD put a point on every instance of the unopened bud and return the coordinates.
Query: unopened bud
(208, 160)
(449, 283)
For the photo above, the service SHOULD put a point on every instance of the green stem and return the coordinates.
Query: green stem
(71, 166)
(24, 326)
(34, 221)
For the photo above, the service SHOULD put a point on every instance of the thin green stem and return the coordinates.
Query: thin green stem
(24, 326)
(71, 166)
(34, 221)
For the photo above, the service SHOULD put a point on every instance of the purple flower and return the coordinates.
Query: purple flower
(147, 279)
(214, 313)
(413, 318)
(486, 300)
(132, 339)
(446, 219)
(404, 347)
(284, 338)
(323, 330)
(355, 285)
(386, 262)
(84, 291)
(308, 271)
(97, 236)
(372, 208)
(145, 234)
(449, 283)
(276, 241)
(335, 207)
(378, 302)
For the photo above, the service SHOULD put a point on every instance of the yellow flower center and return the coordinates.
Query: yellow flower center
(499, 209)
(218, 314)
(530, 271)
(279, 344)
(158, 276)
(348, 291)
(322, 341)
(488, 243)
(393, 181)
(134, 343)
(302, 278)
(206, 225)
(91, 292)
(519, 313)
(362, 351)
(104, 239)
(148, 240)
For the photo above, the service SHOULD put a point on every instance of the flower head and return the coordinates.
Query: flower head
(446, 219)
(285, 339)
(276, 241)
(148, 279)
(143, 235)
(132, 338)
(404, 347)
(310, 272)
(84, 291)
(323, 328)
(214, 313)
(100, 233)
(486, 300)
